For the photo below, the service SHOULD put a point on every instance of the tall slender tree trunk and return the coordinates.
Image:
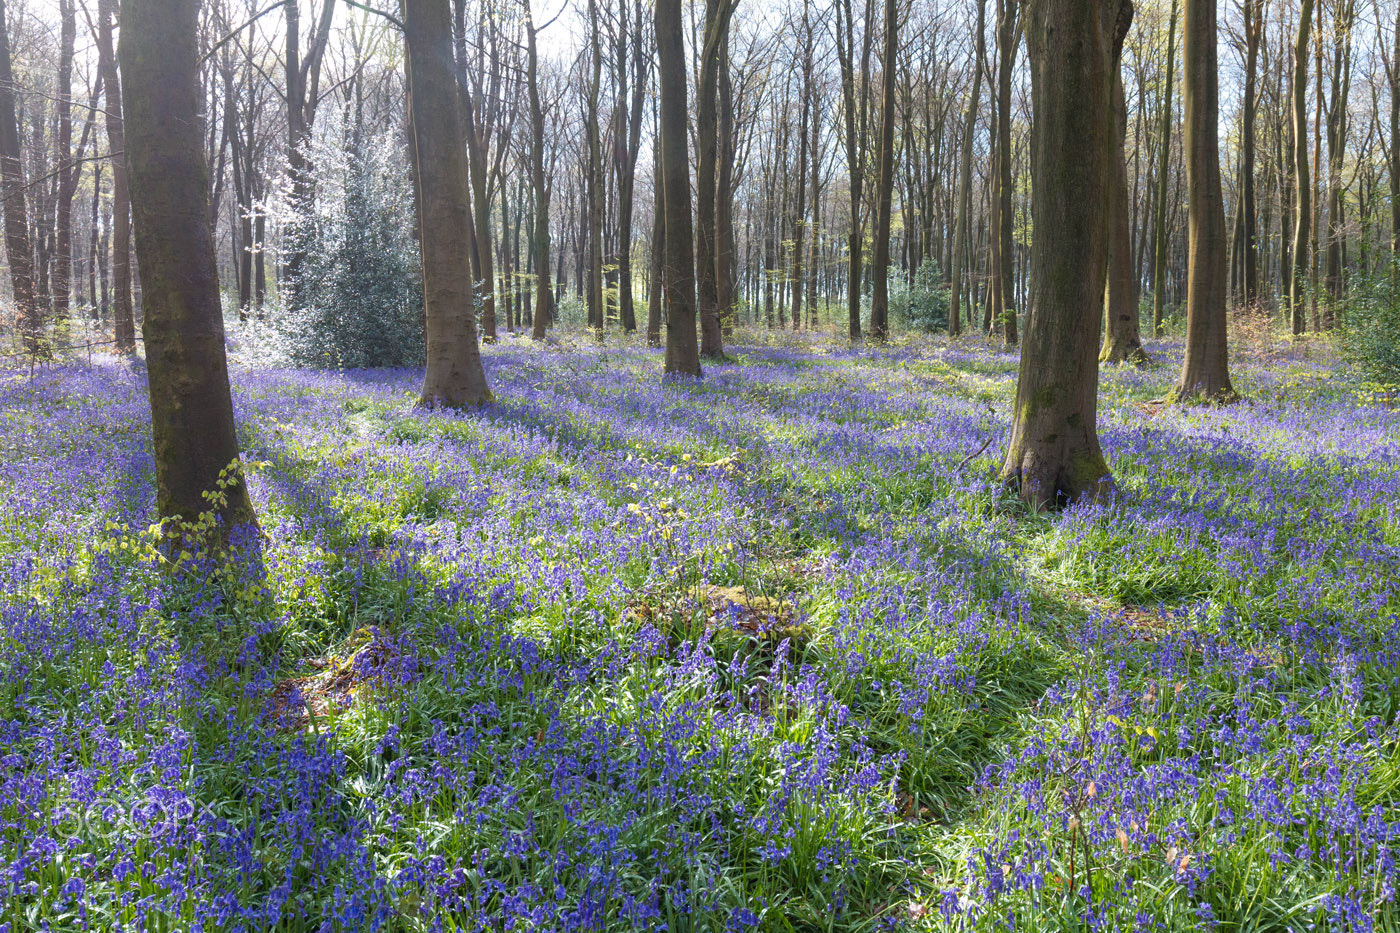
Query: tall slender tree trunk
(630, 121)
(815, 237)
(67, 172)
(1008, 37)
(770, 256)
(1337, 126)
(656, 285)
(18, 247)
(1122, 335)
(123, 313)
(800, 210)
(717, 13)
(1395, 141)
(961, 233)
(596, 312)
(196, 450)
(98, 305)
(453, 376)
(996, 306)
(880, 260)
(1254, 33)
(507, 260)
(724, 196)
(1302, 191)
(543, 292)
(259, 262)
(302, 79)
(1205, 373)
(1054, 457)
(682, 350)
(41, 216)
(856, 110)
(1159, 240)
(103, 251)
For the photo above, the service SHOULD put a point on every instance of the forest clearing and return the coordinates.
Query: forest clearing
(697, 466)
(773, 650)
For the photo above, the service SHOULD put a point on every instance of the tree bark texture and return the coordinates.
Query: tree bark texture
(682, 349)
(1054, 457)
(1205, 372)
(191, 405)
(453, 376)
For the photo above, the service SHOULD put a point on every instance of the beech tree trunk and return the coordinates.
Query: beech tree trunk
(814, 150)
(682, 350)
(656, 286)
(453, 377)
(1122, 341)
(1344, 14)
(67, 173)
(123, 313)
(717, 13)
(1254, 32)
(800, 208)
(543, 291)
(630, 121)
(191, 405)
(1159, 240)
(596, 312)
(960, 234)
(1054, 457)
(856, 111)
(1205, 373)
(1395, 141)
(1302, 190)
(724, 196)
(1008, 33)
(19, 250)
(880, 260)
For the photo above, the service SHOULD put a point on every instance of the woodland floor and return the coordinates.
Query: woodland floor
(772, 650)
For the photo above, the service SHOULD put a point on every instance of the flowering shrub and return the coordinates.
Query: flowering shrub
(766, 651)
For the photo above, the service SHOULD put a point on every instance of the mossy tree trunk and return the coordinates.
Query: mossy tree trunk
(191, 405)
(1205, 372)
(453, 377)
(1054, 457)
(678, 279)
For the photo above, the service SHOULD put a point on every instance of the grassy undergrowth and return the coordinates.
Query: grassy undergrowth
(768, 651)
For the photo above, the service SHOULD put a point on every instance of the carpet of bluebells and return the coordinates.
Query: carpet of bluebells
(768, 651)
